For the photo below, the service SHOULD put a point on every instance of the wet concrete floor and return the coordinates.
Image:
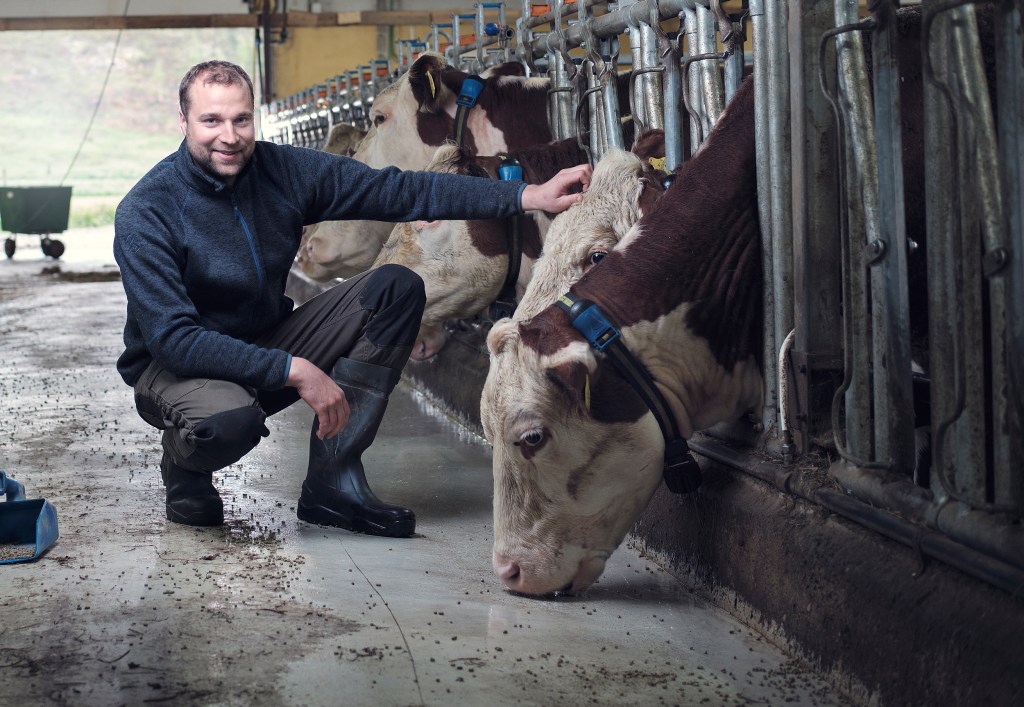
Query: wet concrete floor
(127, 608)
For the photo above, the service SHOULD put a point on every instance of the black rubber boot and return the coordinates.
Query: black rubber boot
(335, 491)
(191, 496)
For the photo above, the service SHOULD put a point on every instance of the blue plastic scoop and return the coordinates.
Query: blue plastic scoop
(27, 528)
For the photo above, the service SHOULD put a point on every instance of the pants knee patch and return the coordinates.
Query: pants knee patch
(226, 437)
(396, 295)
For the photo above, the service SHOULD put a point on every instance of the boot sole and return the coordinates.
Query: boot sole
(357, 524)
(202, 520)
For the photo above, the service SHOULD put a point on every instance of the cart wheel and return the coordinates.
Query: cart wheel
(52, 247)
(9, 247)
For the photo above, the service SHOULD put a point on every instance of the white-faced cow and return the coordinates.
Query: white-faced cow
(411, 119)
(577, 453)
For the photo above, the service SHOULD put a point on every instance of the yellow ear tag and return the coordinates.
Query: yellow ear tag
(586, 392)
(657, 163)
(433, 88)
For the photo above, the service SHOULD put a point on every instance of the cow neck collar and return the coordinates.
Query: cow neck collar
(505, 303)
(681, 472)
(472, 86)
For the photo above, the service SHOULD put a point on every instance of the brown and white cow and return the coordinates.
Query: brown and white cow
(410, 120)
(577, 454)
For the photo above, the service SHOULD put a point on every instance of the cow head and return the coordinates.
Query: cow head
(333, 249)
(620, 192)
(343, 139)
(576, 457)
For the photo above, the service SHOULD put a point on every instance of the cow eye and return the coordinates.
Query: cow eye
(596, 257)
(533, 438)
(379, 118)
(531, 442)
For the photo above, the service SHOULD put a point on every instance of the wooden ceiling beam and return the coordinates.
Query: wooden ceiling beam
(239, 20)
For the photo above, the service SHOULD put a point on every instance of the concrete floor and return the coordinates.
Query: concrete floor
(127, 608)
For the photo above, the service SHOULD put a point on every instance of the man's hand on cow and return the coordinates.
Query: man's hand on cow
(554, 195)
(322, 394)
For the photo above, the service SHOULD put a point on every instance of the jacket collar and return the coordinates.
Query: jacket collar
(201, 180)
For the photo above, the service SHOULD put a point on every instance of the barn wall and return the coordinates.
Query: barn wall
(312, 54)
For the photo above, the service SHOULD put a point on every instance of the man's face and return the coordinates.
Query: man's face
(219, 129)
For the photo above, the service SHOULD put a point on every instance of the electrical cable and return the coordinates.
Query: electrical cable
(99, 100)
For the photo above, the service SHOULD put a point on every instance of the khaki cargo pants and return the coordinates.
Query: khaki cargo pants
(208, 424)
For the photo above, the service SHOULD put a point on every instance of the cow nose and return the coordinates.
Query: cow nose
(507, 570)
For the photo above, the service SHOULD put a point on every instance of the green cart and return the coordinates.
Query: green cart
(37, 211)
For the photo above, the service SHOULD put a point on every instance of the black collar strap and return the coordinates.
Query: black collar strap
(505, 304)
(681, 472)
(472, 85)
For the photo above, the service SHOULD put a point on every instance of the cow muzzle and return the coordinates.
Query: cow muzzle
(428, 343)
(520, 579)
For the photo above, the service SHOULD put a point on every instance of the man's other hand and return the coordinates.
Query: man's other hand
(322, 394)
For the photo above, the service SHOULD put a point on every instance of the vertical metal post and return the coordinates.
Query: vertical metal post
(668, 51)
(610, 94)
(981, 160)
(893, 398)
(1009, 481)
(762, 143)
(647, 97)
(734, 67)
(710, 76)
(861, 218)
(562, 113)
(688, 28)
(941, 192)
(817, 353)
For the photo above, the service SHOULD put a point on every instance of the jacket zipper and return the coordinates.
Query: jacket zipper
(252, 244)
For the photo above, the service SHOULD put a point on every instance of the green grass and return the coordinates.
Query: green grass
(90, 213)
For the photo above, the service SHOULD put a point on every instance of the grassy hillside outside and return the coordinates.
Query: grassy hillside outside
(49, 97)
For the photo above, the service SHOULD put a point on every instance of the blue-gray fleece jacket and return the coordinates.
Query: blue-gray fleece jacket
(204, 265)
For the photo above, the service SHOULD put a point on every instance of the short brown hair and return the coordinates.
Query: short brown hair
(216, 71)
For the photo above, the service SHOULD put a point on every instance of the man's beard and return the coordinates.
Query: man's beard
(205, 162)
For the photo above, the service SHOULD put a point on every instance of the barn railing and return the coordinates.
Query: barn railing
(835, 253)
(971, 491)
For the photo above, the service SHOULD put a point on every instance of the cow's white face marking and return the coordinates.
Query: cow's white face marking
(579, 236)
(567, 488)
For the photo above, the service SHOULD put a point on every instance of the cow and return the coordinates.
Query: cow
(576, 452)
(410, 119)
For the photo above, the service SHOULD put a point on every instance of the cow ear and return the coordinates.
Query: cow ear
(572, 378)
(425, 80)
(570, 369)
(503, 333)
(650, 148)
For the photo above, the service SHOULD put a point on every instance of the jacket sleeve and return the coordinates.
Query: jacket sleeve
(151, 272)
(346, 189)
